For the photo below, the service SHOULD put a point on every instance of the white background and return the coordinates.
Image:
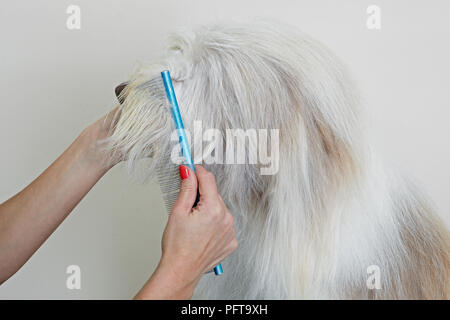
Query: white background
(54, 82)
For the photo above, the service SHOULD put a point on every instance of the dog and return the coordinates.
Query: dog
(333, 222)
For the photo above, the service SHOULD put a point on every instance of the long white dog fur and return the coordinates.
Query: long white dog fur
(331, 213)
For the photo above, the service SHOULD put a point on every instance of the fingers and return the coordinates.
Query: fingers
(206, 183)
(230, 246)
(188, 191)
(111, 119)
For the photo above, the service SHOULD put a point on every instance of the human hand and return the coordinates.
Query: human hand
(93, 141)
(203, 236)
(195, 239)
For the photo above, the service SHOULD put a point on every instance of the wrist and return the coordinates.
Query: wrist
(169, 283)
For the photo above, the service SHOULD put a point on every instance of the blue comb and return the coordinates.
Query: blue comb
(185, 150)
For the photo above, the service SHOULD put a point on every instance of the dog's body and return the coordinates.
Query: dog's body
(332, 219)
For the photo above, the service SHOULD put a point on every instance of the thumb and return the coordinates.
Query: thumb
(188, 190)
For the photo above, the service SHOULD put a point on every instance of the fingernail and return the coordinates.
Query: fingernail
(184, 172)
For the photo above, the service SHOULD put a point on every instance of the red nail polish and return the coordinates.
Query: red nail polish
(184, 172)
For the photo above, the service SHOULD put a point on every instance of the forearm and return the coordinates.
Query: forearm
(28, 218)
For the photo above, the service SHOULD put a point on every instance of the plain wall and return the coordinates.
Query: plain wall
(55, 81)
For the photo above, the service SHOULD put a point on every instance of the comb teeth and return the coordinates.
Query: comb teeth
(167, 174)
(152, 86)
(155, 89)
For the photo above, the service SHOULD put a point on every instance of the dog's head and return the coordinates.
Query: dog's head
(265, 79)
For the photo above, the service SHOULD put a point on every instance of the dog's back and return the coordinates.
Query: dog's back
(381, 241)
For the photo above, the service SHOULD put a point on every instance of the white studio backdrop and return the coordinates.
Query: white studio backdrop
(56, 81)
